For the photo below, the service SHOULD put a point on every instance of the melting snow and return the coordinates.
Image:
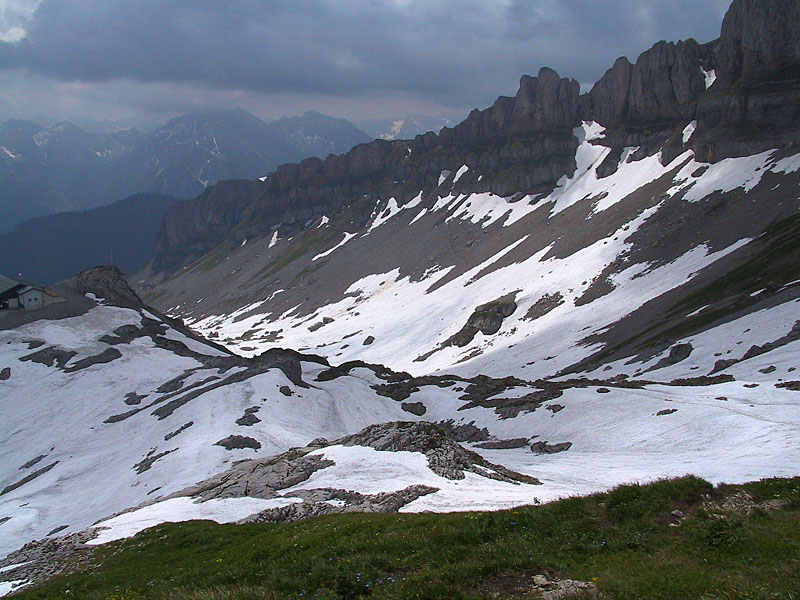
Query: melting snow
(347, 238)
(688, 131)
(711, 76)
(174, 510)
(463, 169)
(6, 587)
(724, 176)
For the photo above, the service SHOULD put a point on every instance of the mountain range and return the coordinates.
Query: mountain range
(560, 294)
(62, 167)
(405, 128)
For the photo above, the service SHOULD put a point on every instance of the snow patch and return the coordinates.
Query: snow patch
(710, 76)
(460, 173)
(725, 176)
(347, 238)
(688, 131)
(175, 510)
(6, 587)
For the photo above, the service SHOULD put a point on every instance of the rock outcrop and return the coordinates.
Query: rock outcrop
(105, 282)
(445, 456)
(758, 38)
(654, 90)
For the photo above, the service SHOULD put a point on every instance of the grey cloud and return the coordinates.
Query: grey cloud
(462, 52)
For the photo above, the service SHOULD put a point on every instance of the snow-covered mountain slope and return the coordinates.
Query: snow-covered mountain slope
(114, 409)
(423, 286)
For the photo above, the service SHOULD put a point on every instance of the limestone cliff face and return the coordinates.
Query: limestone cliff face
(525, 143)
(542, 104)
(520, 143)
(193, 227)
(759, 37)
(657, 88)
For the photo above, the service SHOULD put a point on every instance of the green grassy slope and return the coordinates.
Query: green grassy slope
(732, 542)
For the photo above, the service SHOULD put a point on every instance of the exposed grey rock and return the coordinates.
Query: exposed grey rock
(400, 386)
(50, 356)
(260, 478)
(147, 462)
(723, 364)
(180, 429)
(554, 408)
(174, 384)
(57, 530)
(544, 305)
(317, 325)
(666, 411)
(368, 340)
(42, 559)
(238, 442)
(32, 462)
(105, 282)
(509, 408)
(677, 353)
(133, 399)
(504, 444)
(487, 318)
(106, 356)
(415, 408)
(702, 380)
(546, 448)
(758, 37)
(562, 589)
(249, 418)
(5, 374)
(464, 432)
(789, 385)
(286, 390)
(445, 457)
(603, 390)
(127, 333)
(28, 478)
(317, 502)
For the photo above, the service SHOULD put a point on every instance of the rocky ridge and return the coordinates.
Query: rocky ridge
(524, 144)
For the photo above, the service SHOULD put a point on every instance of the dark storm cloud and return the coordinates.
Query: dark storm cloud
(456, 51)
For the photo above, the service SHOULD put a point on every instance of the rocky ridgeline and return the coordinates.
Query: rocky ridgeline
(524, 144)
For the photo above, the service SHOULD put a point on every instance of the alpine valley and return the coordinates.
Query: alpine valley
(561, 294)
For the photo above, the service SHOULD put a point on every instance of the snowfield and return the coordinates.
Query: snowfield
(412, 317)
(57, 433)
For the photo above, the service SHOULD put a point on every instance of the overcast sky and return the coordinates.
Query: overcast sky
(351, 58)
